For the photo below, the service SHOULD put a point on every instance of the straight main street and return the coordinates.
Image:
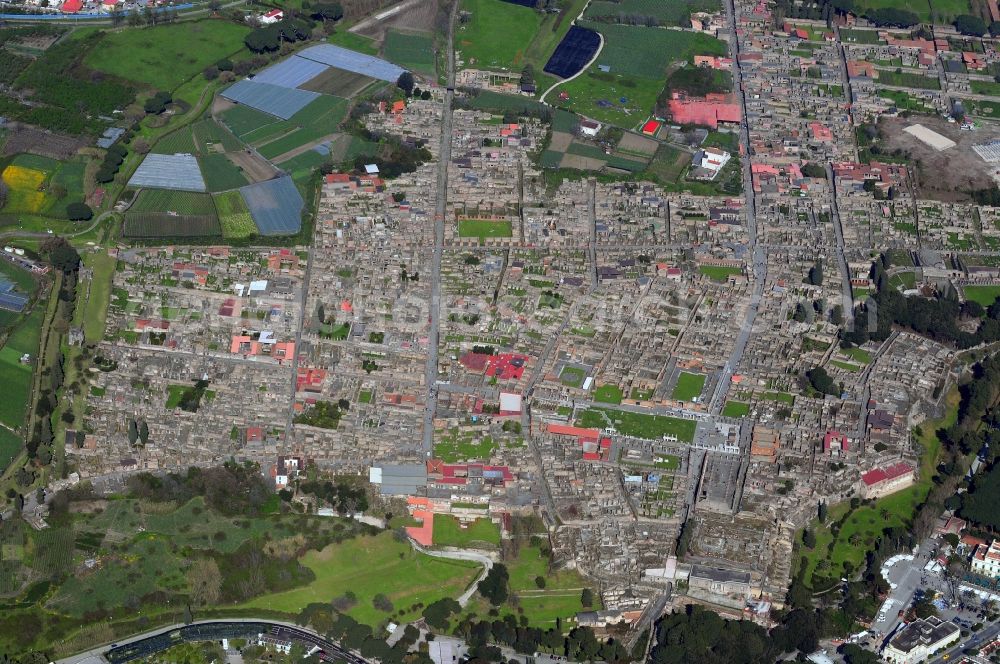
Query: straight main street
(441, 208)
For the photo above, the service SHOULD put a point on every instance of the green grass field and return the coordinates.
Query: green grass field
(167, 200)
(689, 386)
(905, 79)
(639, 425)
(608, 394)
(368, 566)
(644, 52)
(629, 52)
(353, 41)
(736, 409)
(139, 55)
(984, 295)
(320, 118)
(455, 445)
(16, 377)
(718, 272)
(220, 173)
(668, 13)
(242, 120)
(483, 228)
(857, 354)
(10, 447)
(96, 311)
(481, 533)
(560, 599)
(415, 51)
(496, 35)
(234, 215)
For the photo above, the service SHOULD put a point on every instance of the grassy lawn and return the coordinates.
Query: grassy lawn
(736, 409)
(572, 376)
(189, 47)
(640, 394)
(599, 95)
(415, 51)
(984, 295)
(448, 531)
(846, 366)
(639, 425)
(353, 41)
(497, 34)
(782, 397)
(458, 446)
(625, 95)
(368, 566)
(689, 386)
(857, 354)
(16, 377)
(96, 311)
(905, 79)
(718, 272)
(483, 228)
(668, 462)
(559, 599)
(10, 447)
(608, 394)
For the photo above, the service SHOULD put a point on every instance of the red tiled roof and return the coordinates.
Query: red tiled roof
(578, 432)
(877, 475)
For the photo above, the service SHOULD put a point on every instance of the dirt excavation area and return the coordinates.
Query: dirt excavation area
(944, 175)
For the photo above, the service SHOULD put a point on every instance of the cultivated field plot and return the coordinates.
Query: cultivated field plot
(189, 47)
(635, 144)
(275, 205)
(272, 99)
(359, 63)
(415, 51)
(177, 171)
(234, 215)
(497, 34)
(36, 141)
(317, 121)
(674, 13)
(209, 136)
(338, 83)
(43, 186)
(141, 225)
(573, 53)
(173, 202)
(221, 173)
(242, 120)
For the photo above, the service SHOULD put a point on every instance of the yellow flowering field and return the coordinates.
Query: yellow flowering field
(23, 184)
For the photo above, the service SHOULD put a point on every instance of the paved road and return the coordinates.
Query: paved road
(278, 628)
(981, 638)
(759, 257)
(290, 422)
(444, 160)
(846, 293)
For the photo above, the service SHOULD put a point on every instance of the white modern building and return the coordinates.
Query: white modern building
(986, 560)
(919, 640)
